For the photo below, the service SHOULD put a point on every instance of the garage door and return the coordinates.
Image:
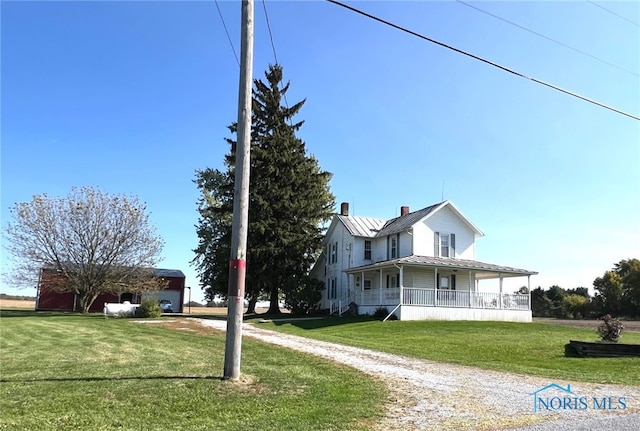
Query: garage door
(171, 295)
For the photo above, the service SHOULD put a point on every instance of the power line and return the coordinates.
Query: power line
(475, 57)
(548, 38)
(266, 16)
(227, 31)
(275, 56)
(613, 13)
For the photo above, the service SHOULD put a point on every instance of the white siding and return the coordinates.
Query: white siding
(446, 221)
(357, 256)
(426, 278)
(348, 251)
(408, 312)
(379, 251)
(406, 244)
(421, 279)
(422, 240)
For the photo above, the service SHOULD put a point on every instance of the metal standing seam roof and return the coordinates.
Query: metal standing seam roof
(176, 273)
(158, 272)
(405, 222)
(444, 262)
(378, 228)
(362, 226)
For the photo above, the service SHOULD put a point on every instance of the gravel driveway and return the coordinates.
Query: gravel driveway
(426, 395)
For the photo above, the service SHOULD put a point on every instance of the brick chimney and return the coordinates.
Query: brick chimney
(344, 209)
(404, 210)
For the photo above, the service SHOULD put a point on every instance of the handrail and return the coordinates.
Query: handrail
(392, 311)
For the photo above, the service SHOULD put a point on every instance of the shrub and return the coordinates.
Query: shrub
(610, 329)
(149, 308)
(382, 312)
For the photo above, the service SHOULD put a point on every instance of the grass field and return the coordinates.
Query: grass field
(195, 311)
(16, 303)
(84, 372)
(87, 372)
(528, 348)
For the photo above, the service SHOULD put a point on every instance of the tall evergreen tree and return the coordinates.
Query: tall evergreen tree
(289, 200)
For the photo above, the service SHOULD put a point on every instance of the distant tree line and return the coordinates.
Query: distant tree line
(17, 297)
(617, 293)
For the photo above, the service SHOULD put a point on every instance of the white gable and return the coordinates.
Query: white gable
(445, 221)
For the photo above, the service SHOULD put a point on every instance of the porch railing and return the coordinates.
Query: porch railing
(445, 298)
(338, 306)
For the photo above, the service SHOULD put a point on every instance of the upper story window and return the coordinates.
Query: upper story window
(333, 252)
(393, 247)
(444, 245)
(367, 249)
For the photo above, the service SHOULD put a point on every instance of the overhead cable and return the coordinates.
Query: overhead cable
(273, 47)
(227, 31)
(475, 57)
(548, 38)
(613, 13)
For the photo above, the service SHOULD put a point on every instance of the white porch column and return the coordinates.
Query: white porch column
(500, 298)
(435, 287)
(401, 284)
(529, 289)
(472, 294)
(380, 290)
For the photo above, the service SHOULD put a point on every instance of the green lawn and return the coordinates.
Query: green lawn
(74, 372)
(527, 348)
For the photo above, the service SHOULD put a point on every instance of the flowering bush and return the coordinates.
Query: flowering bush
(610, 329)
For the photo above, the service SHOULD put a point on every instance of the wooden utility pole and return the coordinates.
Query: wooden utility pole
(238, 260)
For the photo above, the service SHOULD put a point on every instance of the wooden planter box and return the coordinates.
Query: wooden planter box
(601, 350)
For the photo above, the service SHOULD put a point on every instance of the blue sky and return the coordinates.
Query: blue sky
(133, 97)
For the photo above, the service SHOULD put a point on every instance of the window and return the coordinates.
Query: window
(447, 282)
(367, 284)
(367, 249)
(333, 253)
(393, 280)
(444, 245)
(331, 288)
(444, 282)
(393, 248)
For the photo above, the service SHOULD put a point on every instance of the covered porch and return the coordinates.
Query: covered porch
(422, 288)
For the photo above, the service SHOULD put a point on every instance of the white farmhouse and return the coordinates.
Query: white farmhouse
(420, 265)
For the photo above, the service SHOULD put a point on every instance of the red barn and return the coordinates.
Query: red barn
(50, 300)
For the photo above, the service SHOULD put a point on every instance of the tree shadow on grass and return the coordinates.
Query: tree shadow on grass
(22, 312)
(102, 379)
(310, 323)
(302, 322)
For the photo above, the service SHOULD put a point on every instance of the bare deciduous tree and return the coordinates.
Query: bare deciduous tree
(92, 242)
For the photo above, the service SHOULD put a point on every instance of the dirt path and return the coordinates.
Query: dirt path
(425, 395)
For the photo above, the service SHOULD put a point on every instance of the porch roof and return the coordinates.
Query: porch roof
(489, 270)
